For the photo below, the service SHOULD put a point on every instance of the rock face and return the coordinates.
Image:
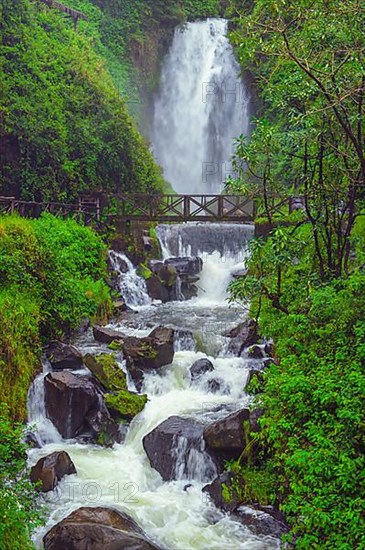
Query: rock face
(156, 289)
(262, 520)
(152, 352)
(63, 356)
(50, 469)
(160, 444)
(242, 336)
(174, 279)
(200, 367)
(97, 528)
(216, 489)
(106, 369)
(75, 405)
(107, 335)
(228, 437)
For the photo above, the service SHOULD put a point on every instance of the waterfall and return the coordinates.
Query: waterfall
(201, 107)
(132, 287)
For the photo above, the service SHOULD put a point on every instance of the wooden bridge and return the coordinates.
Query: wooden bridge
(116, 210)
(75, 14)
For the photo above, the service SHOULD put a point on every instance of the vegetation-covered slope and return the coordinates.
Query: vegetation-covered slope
(64, 127)
(306, 282)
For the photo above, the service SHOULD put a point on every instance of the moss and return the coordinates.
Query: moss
(144, 272)
(115, 345)
(106, 369)
(126, 403)
(250, 485)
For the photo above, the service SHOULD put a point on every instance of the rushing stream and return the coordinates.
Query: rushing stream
(177, 516)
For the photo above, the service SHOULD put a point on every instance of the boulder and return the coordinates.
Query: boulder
(50, 469)
(242, 336)
(96, 528)
(75, 405)
(222, 493)
(261, 520)
(186, 265)
(151, 352)
(228, 437)
(163, 443)
(200, 367)
(106, 369)
(156, 289)
(256, 352)
(119, 306)
(63, 356)
(107, 335)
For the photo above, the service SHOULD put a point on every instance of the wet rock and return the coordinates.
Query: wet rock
(107, 335)
(186, 265)
(262, 521)
(119, 306)
(222, 492)
(228, 437)
(242, 336)
(106, 369)
(149, 353)
(255, 416)
(160, 444)
(200, 367)
(75, 405)
(96, 528)
(63, 356)
(156, 289)
(51, 469)
(256, 352)
(216, 385)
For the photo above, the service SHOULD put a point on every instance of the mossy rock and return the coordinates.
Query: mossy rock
(125, 404)
(106, 369)
(144, 272)
(115, 345)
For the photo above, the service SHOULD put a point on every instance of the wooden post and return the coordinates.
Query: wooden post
(186, 207)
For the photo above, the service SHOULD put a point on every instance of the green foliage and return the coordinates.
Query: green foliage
(65, 127)
(313, 427)
(19, 510)
(250, 485)
(52, 275)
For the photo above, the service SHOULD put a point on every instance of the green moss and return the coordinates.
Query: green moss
(250, 485)
(106, 369)
(144, 272)
(115, 345)
(125, 403)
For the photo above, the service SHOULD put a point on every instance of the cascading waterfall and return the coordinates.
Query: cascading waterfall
(132, 287)
(201, 107)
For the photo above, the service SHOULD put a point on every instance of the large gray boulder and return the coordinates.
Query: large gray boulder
(107, 335)
(63, 356)
(173, 444)
(200, 367)
(50, 469)
(228, 436)
(149, 353)
(95, 529)
(75, 405)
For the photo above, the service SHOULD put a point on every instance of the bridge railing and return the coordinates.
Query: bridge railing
(184, 208)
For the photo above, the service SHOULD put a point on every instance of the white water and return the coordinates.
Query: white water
(201, 107)
(132, 287)
(175, 514)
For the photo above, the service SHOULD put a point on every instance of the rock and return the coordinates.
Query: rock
(96, 528)
(63, 356)
(200, 367)
(125, 404)
(255, 416)
(106, 369)
(262, 521)
(119, 306)
(228, 437)
(215, 385)
(256, 352)
(156, 289)
(147, 243)
(220, 488)
(151, 352)
(242, 336)
(75, 405)
(160, 444)
(186, 265)
(107, 335)
(50, 469)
